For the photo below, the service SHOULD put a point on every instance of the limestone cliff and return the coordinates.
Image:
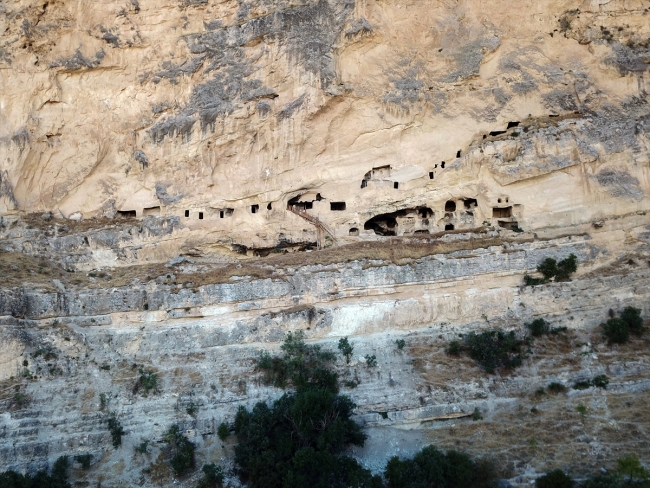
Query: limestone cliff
(184, 181)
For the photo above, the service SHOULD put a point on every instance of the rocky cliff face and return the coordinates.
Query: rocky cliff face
(168, 169)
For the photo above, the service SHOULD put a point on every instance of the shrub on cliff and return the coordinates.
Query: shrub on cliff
(617, 331)
(116, 430)
(494, 349)
(299, 439)
(554, 479)
(538, 327)
(182, 450)
(632, 316)
(58, 478)
(551, 269)
(431, 467)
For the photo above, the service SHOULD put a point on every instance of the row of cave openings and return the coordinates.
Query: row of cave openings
(421, 220)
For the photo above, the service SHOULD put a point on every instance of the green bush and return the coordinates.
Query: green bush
(548, 268)
(371, 361)
(582, 385)
(142, 448)
(551, 269)
(554, 479)
(146, 382)
(212, 476)
(400, 344)
(632, 316)
(629, 467)
(192, 409)
(58, 478)
(223, 431)
(346, 348)
(600, 381)
(566, 268)
(182, 450)
(455, 348)
(493, 349)
(538, 327)
(602, 481)
(116, 430)
(433, 468)
(617, 331)
(299, 439)
(84, 460)
(299, 366)
(556, 387)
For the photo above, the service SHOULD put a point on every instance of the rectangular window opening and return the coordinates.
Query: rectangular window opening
(337, 206)
(200, 215)
(254, 208)
(396, 185)
(187, 213)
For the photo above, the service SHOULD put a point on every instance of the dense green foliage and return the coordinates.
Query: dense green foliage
(182, 450)
(223, 431)
(617, 330)
(298, 440)
(212, 476)
(433, 468)
(538, 327)
(346, 348)
(84, 460)
(300, 365)
(493, 349)
(146, 382)
(600, 381)
(632, 317)
(116, 430)
(551, 269)
(554, 479)
(58, 478)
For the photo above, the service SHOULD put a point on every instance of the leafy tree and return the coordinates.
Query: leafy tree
(182, 450)
(566, 268)
(493, 349)
(548, 268)
(346, 348)
(371, 361)
(299, 366)
(538, 327)
(433, 468)
(116, 430)
(630, 468)
(212, 476)
(632, 316)
(58, 478)
(617, 331)
(223, 431)
(299, 439)
(554, 479)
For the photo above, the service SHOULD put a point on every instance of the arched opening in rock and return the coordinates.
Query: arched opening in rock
(450, 206)
(498, 200)
(495, 133)
(383, 225)
(226, 212)
(442, 165)
(396, 185)
(151, 211)
(269, 206)
(298, 205)
(430, 175)
(255, 208)
(458, 154)
(509, 225)
(187, 214)
(422, 231)
(387, 224)
(501, 213)
(337, 206)
(200, 215)
(354, 231)
(449, 227)
(126, 214)
(512, 124)
(470, 203)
